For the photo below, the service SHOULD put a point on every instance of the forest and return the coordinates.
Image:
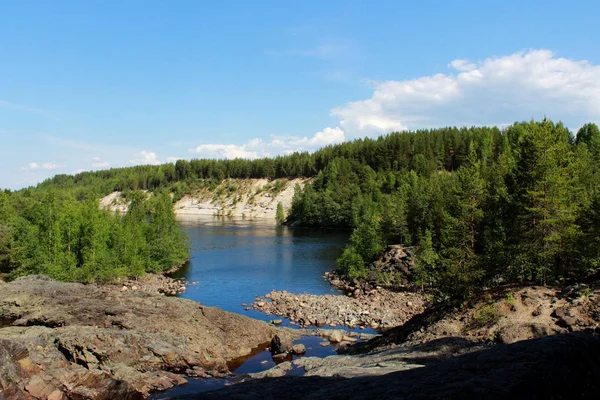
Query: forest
(483, 206)
(51, 233)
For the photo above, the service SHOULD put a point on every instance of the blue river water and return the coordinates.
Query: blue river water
(234, 260)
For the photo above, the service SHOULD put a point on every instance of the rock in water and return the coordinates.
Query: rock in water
(336, 336)
(279, 346)
(298, 348)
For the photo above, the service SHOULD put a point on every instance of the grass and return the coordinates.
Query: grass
(487, 315)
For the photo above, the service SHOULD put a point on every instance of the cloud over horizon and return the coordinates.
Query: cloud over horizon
(257, 148)
(495, 91)
(498, 90)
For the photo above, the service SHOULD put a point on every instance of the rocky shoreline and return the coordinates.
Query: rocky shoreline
(565, 366)
(74, 341)
(377, 309)
(513, 342)
(153, 283)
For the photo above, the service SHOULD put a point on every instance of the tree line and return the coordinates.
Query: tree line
(51, 233)
(483, 206)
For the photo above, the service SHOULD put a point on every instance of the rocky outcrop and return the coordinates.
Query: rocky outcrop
(477, 349)
(557, 367)
(379, 309)
(246, 198)
(391, 269)
(69, 340)
(503, 316)
(279, 346)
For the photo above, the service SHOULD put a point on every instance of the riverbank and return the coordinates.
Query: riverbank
(512, 342)
(379, 309)
(553, 367)
(153, 283)
(68, 340)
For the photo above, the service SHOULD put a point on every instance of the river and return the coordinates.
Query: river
(234, 260)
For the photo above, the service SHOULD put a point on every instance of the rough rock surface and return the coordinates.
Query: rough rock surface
(246, 198)
(279, 346)
(69, 340)
(500, 316)
(379, 309)
(427, 356)
(153, 283)
(557, 367)
(391, 269)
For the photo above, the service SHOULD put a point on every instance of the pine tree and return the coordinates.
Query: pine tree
(543, 191)
(462, 268)
(280, 214)
(426, 264)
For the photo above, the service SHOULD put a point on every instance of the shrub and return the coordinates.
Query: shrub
(487, 315)
(351, 263)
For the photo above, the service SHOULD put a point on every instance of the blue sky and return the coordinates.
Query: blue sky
(92, 84)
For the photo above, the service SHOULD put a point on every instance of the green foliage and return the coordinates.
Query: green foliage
(586, 292)
(351, 263)
(426, 262)
(72, 240)
(280, 214)
(366, 239)
(588, 134)
(484, 206)
(278, 186)
(510, 299)
(487, 315)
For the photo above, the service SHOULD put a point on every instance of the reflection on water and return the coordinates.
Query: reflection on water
(235, 260)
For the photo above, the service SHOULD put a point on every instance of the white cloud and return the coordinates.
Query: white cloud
(173, 159)
(462, 65)
(50, 165)
(33, 166)
(145, 158)
(324, 138)
(97, 162)
(78, 171)
(520, 86)
(220, 151)
(256, 148)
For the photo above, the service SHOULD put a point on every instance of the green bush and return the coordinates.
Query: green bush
(351, 263)
(487, 315)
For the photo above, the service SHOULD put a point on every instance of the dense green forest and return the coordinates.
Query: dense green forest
(51, 233)
(483, 205)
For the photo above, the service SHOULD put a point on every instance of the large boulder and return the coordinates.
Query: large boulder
(279, 346)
